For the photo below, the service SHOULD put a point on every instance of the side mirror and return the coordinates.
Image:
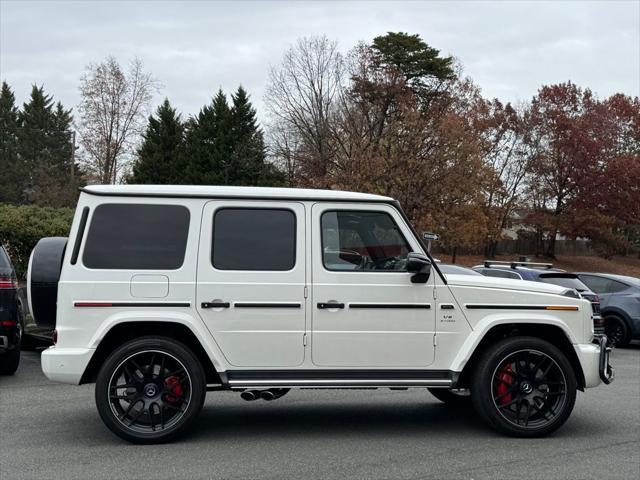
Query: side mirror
(420, 266)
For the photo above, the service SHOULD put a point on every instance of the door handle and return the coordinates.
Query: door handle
(323, 306)
(215, 304)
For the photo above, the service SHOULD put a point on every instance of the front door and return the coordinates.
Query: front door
(366, 311)
(251, 280)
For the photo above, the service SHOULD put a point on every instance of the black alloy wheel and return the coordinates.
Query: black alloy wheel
(616, 331)
(150, 390)
(529, 389)
(525, 387)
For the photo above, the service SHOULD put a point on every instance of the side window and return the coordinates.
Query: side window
(137, 237)
(495, 272)
(254, 239)
(615, 286)
(596, 284)
(362, 241)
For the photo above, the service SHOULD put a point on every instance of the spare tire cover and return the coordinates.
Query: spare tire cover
(45, 265)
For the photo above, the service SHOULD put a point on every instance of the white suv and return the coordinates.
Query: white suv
(166, 292)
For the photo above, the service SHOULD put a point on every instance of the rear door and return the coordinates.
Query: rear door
(251, 281)
(366, 311)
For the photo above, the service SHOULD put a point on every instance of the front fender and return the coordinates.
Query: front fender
(491, 321)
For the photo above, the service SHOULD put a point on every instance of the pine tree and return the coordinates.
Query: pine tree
(208, 149)
(45, 150)
(161, 157)
(225, 145)
(10, 178)
(36, 121)
(249, 153)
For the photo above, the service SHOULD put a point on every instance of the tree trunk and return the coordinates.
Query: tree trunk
(551, 245)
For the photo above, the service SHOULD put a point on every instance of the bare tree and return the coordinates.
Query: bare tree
(113, 111)
(301, 98)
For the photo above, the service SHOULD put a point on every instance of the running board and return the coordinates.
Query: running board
(241, 379)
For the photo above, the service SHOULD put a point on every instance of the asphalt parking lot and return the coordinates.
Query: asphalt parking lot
(53, 431)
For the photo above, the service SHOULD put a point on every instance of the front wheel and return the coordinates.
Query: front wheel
(150, 390)
(524, 387)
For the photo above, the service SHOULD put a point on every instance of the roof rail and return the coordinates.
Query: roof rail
(488, 263)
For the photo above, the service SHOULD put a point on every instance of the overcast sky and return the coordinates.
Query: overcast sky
(509, 48)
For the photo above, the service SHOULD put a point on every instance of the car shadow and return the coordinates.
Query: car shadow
(319, 420)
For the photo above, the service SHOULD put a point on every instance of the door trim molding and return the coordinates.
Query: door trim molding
(267, 305)
(425, 306)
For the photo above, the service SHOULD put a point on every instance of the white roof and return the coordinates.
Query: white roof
(231, 192)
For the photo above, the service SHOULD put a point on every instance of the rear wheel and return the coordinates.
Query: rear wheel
(617, 331)
(452, 397)
(524, 387)
(150, 390)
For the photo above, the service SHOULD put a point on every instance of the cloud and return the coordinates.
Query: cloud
(509, 48)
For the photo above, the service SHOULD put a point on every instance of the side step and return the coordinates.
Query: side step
(241, 379)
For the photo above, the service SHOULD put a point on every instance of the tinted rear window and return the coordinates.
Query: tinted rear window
(137, 237)
(567, 282)
(254, 239)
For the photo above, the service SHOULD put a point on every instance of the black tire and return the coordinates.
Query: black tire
(146, 365)
(617, 331)
(452, 398)
(9, 361)
(521, 373)
(45, 265)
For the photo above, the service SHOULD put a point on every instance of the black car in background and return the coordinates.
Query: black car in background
(619, 302)
(10, 325)
(544, 272)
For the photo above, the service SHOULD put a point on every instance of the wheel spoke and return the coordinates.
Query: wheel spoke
(161, 370)
(539, 365)
(151, 413)
(555, 394)
(129, 408)
(502, 395)
(120, 397)
(151, 364)
(133, 419)
(508, 404)
(162, 415)
(124, 385)
(172, 407)
(138, 369)
(526, 420)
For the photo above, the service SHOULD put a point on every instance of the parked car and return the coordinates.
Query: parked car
(544, 272)
(619, 302)
(10, 328)
(452, 269)
(166, 292)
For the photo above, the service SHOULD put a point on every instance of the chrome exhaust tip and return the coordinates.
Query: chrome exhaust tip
(268, 395)
(250, 395)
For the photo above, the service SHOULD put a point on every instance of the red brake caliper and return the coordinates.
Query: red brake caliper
(176, 389)
(504, 384)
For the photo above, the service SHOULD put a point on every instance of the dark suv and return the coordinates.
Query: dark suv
(620, 299)
(10, 328)
(544, 272)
